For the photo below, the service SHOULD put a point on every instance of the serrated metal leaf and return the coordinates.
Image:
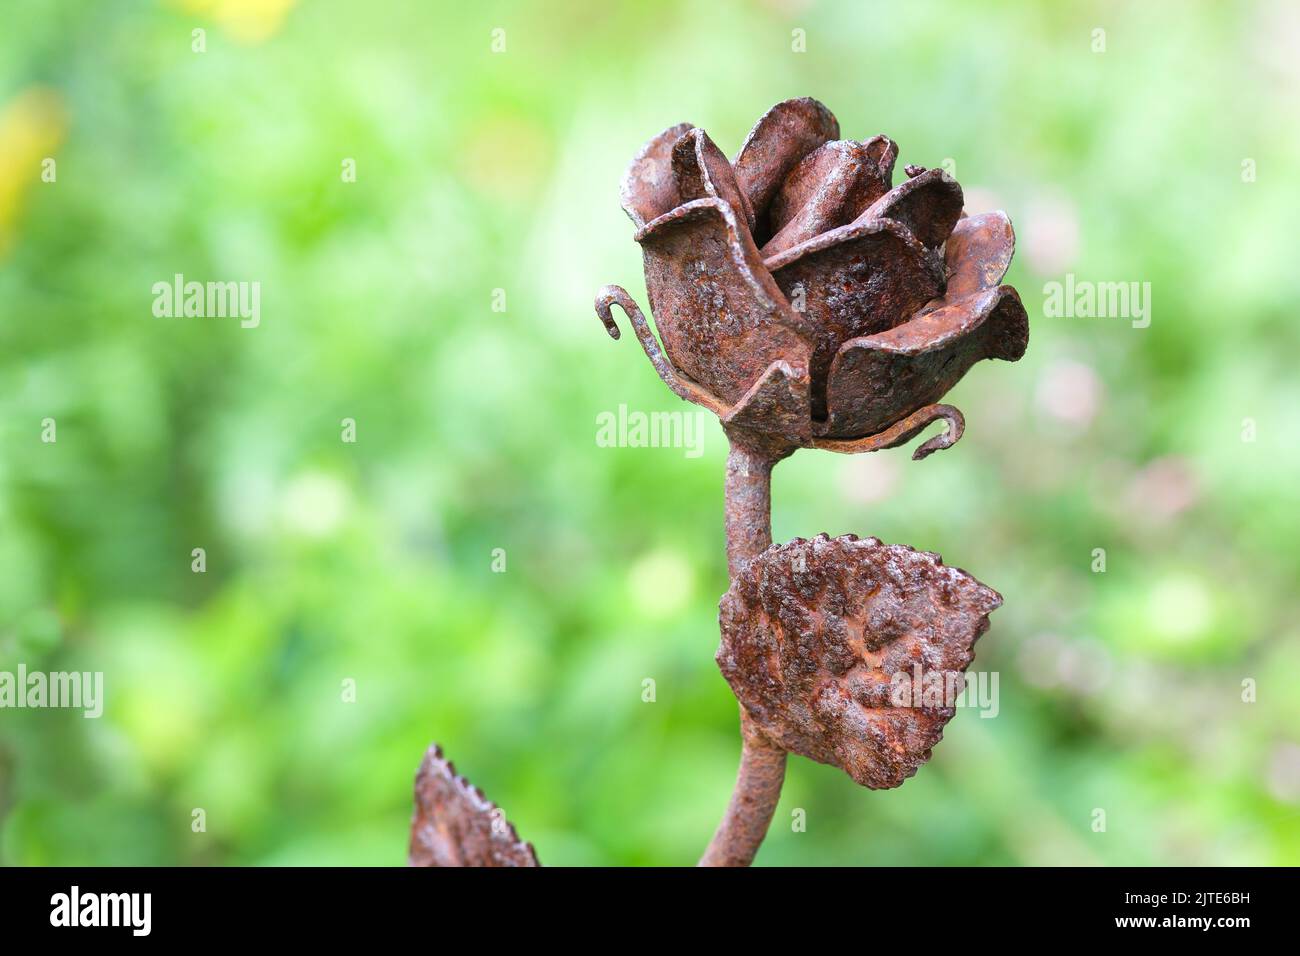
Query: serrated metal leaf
(456, 825)
(815, 636)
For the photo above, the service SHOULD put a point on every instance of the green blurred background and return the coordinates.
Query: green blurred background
(372, 561)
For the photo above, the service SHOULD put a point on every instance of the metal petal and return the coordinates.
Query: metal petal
(877, 379)
(776, 409)
(831, 186)
(929, 204)
(722, 318)
(702, 171)
(821, 638)
(978, 254)
(649, 188)
(455, 825)
(785, 134)
(856, 280)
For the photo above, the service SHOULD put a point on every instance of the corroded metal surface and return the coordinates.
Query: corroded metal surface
(612, 295)
(901, 432)
(721, 316)
(831, 186)
(782, 136)
(978, 254)
(929, 205)
(861, 278)
(455, 825)
(875, 378)
(809, 302)
(649, 189)
(815, 632)
(753, 801)
(867, 302)
(773, 415)
(702, 172)
(747, 493)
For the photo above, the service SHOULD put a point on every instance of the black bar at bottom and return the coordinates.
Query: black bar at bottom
(907, 906)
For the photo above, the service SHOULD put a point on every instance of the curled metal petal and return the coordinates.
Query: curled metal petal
(721, 316)
(785, 134)
(877, 379)
(901, 432)
(856, 280)
(455, 825)
(702, 171)
(684, 388)
(648, 188)
(831, 186)
(929, 204)
(978, 254)
(834, 647)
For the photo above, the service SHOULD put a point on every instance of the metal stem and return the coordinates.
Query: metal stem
(753, 801)
(749, 505)
(762, 763)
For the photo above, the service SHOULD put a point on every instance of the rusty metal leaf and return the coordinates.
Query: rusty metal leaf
(455, 825)
(815, 632)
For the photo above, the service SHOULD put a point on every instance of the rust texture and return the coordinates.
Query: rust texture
(748, 501)
(455, 825)
(809, 302)
(753, 801)
(831, 186)
(801, 295)
(815, 636)
(901, 432)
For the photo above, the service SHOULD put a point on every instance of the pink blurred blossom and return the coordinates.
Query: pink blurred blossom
(1070, 392)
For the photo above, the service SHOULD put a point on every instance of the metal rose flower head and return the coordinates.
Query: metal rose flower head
(803, 297)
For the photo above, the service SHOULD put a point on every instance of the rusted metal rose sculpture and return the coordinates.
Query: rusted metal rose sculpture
(808, 302)
(801, 296)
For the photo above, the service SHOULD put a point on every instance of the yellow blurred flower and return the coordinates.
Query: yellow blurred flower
(32, 127)
(248, 21)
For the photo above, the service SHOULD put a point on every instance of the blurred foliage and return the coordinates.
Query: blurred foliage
(477, 171)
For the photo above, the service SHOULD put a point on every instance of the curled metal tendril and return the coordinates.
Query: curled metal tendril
(904, 431)
(612, 295)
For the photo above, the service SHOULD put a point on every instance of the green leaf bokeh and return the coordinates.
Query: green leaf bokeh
(372, 561)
